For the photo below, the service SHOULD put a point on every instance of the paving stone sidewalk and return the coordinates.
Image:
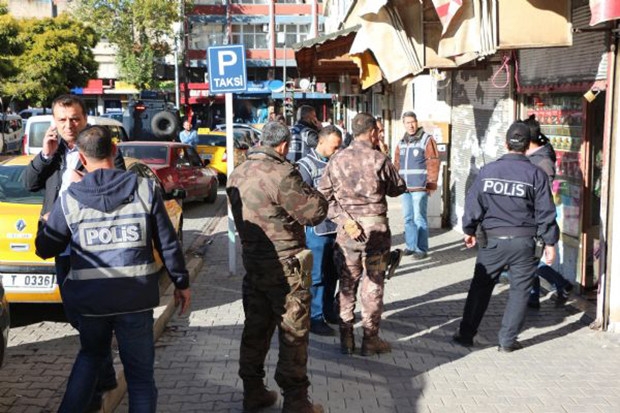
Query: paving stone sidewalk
(564, 367)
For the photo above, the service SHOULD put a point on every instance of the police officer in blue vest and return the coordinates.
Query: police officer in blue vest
(510, 205)
(113, 220)
(320, 238)
(304, 134)
(417, 160)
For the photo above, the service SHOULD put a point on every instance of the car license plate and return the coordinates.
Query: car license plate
(29, 281)
(206, 156)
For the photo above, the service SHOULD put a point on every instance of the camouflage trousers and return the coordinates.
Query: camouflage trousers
(274, 294)
(352, 260)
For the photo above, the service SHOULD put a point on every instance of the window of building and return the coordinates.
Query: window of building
(295, 33)
(204, 35)
(250, 35)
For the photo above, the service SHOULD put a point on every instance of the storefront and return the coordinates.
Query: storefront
(553, 85)
(574, 127)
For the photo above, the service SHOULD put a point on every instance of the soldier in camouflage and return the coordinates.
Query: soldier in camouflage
(356, 182)
(271, 204)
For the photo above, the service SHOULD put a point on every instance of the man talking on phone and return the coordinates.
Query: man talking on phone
(53, 170)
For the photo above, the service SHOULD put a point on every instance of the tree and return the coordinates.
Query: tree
(9, 43)
(57, 55)
(141, 30)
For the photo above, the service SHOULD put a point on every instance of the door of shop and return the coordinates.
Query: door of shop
(575, 130)
(595, 119)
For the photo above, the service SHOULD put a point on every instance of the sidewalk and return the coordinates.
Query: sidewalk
(564, 367)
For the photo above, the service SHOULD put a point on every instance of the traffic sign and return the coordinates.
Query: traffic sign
(227, 70)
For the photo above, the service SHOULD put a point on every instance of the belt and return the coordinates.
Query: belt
(508, 236)
(377, 219)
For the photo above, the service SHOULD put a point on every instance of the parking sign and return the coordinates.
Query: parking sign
(227, 71)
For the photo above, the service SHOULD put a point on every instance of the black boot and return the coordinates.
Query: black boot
(373, 344)
(297, 401)
(257, 396)
(347, 340)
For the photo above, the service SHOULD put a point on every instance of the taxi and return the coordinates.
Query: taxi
(211, 146)
(26, 277)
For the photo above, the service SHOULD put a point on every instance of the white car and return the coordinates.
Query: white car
(11, 132)
(36, 126)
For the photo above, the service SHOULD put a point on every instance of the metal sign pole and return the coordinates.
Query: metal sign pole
(228, 75)
(230, 162)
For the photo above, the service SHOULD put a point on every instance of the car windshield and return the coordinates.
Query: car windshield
(153, 155)
(212, 139)
(11, 188)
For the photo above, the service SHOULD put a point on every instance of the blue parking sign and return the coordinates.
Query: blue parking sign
(227, 70)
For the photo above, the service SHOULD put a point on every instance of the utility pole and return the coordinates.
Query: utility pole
(184, 57)
(284, 66)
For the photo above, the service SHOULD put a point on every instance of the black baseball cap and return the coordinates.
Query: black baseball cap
(518, 132)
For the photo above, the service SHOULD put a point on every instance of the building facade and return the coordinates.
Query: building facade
(267, 29)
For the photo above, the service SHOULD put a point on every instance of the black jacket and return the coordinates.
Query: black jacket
(545, 159)
(47, 174)
(511, 196)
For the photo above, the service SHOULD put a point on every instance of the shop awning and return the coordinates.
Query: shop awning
(604, 10)
(396, 39)
(93, 87)
(326, 58)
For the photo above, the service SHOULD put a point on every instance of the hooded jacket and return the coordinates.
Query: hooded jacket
(544, 157)
(113, 219)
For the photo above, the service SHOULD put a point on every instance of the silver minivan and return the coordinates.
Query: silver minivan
(11, 132)
(36, 126)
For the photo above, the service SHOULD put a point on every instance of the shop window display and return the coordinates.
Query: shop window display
(560, 118)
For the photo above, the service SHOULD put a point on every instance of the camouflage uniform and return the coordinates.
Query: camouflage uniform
(357, 180)
(271, 204)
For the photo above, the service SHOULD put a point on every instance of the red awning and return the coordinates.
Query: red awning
(195, 86)
(604, 10)
(94, 87)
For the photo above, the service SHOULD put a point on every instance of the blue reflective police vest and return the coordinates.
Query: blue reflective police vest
(314, 165)
(113, 268)
(413, 161)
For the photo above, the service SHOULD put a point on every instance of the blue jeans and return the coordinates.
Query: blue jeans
(324, 277)
(107, 375)
(416, 224)
(551, 276)
(134, 333)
